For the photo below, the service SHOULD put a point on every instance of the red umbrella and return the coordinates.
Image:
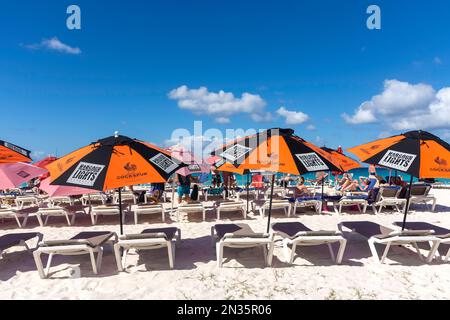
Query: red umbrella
(43, 164)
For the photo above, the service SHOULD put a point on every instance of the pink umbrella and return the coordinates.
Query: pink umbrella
(12, 175)
(194, 165)
(60, 191)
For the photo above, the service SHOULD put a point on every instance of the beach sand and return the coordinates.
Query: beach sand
(312, 275)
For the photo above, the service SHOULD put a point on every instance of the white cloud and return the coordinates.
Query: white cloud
(262, 117)
(222, 104)
(222, 120)
(437, 60)
(405, 106)
(292, 117)
(310, 127)
(56, 45)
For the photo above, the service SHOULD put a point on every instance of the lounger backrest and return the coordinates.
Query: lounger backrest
(389, 192)
(156, 235)
(420, 190)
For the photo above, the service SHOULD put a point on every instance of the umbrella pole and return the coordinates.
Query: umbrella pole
(173, 196)
(270, 203)
(248, 186)
(120, 211)
(323, 178)
(408, 196)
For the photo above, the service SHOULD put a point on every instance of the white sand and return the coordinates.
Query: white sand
(312, 276)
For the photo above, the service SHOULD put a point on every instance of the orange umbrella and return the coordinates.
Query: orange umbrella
(276, 150)
(345, 162)
(10, 153)
(418, 153)
(113, 162)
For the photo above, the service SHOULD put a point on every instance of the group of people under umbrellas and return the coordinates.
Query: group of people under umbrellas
(119, 161)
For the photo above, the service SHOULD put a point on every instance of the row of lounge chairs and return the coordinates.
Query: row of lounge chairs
(292, 235)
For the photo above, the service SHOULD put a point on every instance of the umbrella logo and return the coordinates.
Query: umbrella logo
(164, 162)
(235, 152)
(194, 167)
(85, 174)
(130, 167)
(23, 174)
(311, 161)
(440, 162)
(397, 160)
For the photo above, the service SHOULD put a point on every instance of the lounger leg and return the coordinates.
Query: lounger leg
(163, 215)
(124, 258)
(264, 247)
(39, 266)
(219, 253)
(118, 257)
(204, 214)
(289, 211)
(330, 248)
(68, 220)
(170, 251)
(39, 218)
(365, 207)
(434, 250)
(414, 244)
(293, 250)
(244, 213)
(340, 208)
(46, 220)
(447, 255)
(218, 213)
(18, 221)
(433, 206)
(342, 245)
(136, 217)
(270, 254)
(388, 246)
(74, 216)
(93, 262)
(295, 207)
(373, 250)
(49, 262)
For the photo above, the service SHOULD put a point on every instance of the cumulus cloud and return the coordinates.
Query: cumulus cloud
(221, 104)
(292, 117)
(222, 120)
(405, 106)
(310, 127)
(55, 44)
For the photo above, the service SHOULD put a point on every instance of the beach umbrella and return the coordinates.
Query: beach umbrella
(278, 151)
(112, 163)
(61, 191)
(12, 175)
(10, 153)
(345, 162)
(194, 164)
(43, 164)
(417, 153)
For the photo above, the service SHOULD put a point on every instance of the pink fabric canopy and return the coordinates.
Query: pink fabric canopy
(195, 164)
(60, 191)
(12, 175)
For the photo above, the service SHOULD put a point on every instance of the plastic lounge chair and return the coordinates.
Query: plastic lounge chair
(443, 251)
(23, 201)
(17, 239)
(147, 209)
(420, 194)
(378, 234)
(14, 213)
(89, 242)
(214, 193)
(93, 198)
(127, 197)
(352, 200)
(388, 196)
(191, 208)
(231, 206)
(106, 210)
(58, 211)
(148, 239)
(60, 200)
(297, 234)
(306, 202)
(276, 205)
(241, 236)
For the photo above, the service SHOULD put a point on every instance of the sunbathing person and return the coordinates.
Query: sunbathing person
(301, 190)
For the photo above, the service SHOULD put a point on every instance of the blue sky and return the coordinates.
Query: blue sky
(301, 64)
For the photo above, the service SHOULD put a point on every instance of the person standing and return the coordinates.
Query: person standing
(184, 187)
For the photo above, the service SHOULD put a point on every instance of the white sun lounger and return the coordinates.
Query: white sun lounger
(93, 198)
(147, 240)
(277, 204)
(231, 206)
(308, 202)
(14, 213)
(388, 196)
(240, 235)
(56, 201)
(378, 234)
(147, 209)
(107, 210)
(89, 242)
(191, 208)
(420, 194)
(351, 200)
(297, 234)
(22, 201)
(443, 251)
(66, 211)
(17, 239)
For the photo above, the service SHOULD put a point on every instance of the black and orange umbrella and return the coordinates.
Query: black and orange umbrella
(10, 153)
(345, 162)
(111, 163)
(418, 153)
(279, 151)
